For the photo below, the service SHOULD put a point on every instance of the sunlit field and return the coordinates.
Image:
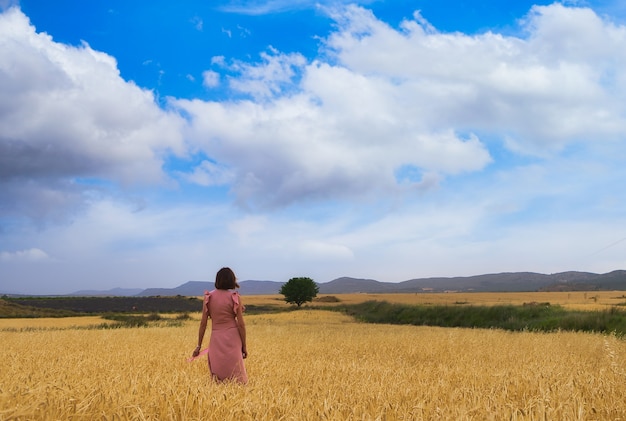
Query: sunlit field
(579, 300)
(53, 322)
(314, 364)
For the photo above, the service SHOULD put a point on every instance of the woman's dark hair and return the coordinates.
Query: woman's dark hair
(226, 279)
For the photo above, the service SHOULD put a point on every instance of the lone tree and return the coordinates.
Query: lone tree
(299, 290)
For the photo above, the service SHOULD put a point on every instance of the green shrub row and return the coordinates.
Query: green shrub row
(542, 317)
(137, 320)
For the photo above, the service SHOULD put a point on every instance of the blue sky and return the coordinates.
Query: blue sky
(146, 144)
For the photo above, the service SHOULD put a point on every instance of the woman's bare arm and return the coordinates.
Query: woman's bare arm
(241, 326)
(203, 323)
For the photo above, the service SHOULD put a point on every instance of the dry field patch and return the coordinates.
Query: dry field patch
(578, 300)
(314, 364)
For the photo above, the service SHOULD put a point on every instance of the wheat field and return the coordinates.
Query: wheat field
(21, 324)
(574, 300)
(313, 365)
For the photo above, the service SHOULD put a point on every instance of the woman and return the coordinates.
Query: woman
(227, 345)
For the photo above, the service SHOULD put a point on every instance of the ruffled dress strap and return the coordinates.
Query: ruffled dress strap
(237, 302)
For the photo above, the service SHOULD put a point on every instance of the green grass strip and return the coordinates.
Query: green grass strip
(540, 317)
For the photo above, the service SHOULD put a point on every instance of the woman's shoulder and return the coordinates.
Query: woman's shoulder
(237, 301)
(224, 292)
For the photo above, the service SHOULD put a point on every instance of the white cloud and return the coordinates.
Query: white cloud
(412, 97)
(67, 115)
(29, 255)
(197, 22)
(208, 173)
(248, 226)
(561, 84)
(5, 4)
(210, 79)
(268, 79)
(396, 153)
(325, 251)
(218, 60)
(263, 7)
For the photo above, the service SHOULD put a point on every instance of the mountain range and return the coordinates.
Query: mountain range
(497, 282)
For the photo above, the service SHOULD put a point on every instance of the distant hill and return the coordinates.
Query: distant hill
(592, 282)
(499, 282)
(260, 287)
(348, 285)
(197, 288)
(496, 282)
(115, 292)
(191, 288)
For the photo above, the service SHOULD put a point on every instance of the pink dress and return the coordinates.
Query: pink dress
(225, 357)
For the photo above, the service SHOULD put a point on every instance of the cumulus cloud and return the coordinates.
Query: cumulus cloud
(385, 99)
(559, 84)
(66, 115)
(348, 124)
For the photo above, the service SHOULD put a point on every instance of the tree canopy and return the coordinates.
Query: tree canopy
(299, 290)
